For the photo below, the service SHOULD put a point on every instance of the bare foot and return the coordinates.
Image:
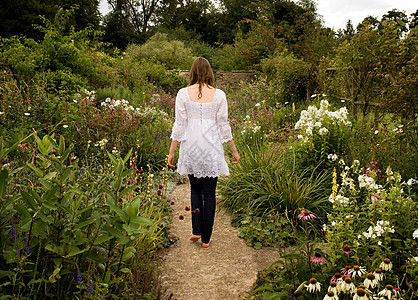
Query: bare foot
(206, 245)
(194, 238)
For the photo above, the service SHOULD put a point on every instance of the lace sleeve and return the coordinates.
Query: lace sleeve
(222, 120)
(180, 124)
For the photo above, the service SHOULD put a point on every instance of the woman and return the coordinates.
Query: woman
(202, 126)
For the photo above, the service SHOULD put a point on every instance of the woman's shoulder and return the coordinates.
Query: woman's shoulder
(221, 93)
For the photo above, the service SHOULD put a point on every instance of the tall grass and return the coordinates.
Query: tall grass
(265, 182)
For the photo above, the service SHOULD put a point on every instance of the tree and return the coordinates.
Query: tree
(140, 13)
(18, 16)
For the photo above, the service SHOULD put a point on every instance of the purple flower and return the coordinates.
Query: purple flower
(317, 258)
(306, 215)
(197, 210)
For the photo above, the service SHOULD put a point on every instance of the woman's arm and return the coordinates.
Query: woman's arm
(235, 154)
(170, 157)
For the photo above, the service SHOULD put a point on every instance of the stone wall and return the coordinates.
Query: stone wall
(226, 80)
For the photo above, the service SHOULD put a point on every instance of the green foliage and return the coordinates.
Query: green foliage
(115, 124)
(293, 76)
(264, 183)
(170, 53)
(75, 232)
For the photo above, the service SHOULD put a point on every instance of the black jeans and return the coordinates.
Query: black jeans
(203, 200)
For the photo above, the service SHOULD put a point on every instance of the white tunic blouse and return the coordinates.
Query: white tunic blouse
(201, 128)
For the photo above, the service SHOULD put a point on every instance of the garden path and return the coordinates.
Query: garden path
(226, 270)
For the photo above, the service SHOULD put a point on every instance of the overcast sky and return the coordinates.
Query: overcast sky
(336, 13)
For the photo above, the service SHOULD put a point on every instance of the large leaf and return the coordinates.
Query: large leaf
(74, 250)
(117, 234)
(30, 201)
(84, 224)
(4, 174)
(123, 215)
(101, 239)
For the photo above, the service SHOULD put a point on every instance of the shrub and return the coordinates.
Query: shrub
(73, 231)
(292, 76)
(159, 49)
(264, 183)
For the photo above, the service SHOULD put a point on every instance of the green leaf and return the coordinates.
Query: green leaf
(50, 175)
(36, 170)
(138, 220)
(128, 253)
(84, 224)
(101, 239)
(112, 159)
(126, 270)
(23, 211)
(74, 250)
(117, 234)
(62, 146)
(65, 174)
(123, 215)
(29, 200)
(45, 183)
(127, 172)
(127, 156)
(4, 174)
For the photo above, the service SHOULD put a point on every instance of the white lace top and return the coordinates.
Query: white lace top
(201, 128)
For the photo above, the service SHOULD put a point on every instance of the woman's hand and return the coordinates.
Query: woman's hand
(170, 159)
(236, 157)
(235, 154)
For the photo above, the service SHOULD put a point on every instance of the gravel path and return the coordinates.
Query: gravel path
(226, 270)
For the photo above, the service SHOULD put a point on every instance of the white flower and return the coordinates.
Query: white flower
(29, 108)
(300, 136)
(331, 296)
(309, 131)
(332, 157)
(258, 105)
(1, 112)
(370, 281)
(65, 126)
(411, 181)
(415, 234)
(27, 114)
(75, 101)
(313, 286)
(323, 131)
(386, 265)
(376, 131)
(357, 271)
(314, 95)
(347, 286)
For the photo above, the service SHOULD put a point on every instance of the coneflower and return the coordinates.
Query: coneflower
(317, 258)
(360, 294)
(306, 215)
(357, 271)
(331, 296)
(386, 265)
(370, 281)
(313, 286)
(347, 286)
(333, 287)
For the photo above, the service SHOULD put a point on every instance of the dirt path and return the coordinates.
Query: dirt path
(226, 270)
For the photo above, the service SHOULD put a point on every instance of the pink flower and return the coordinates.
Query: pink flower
(347, 249)
(317, 258)
(306, 215)
(196, 211)
(346, 270)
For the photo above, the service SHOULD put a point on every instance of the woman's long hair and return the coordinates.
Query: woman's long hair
(201, 73)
